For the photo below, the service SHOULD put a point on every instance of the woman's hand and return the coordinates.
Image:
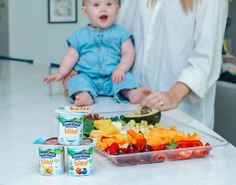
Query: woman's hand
(118, 76)
(161, 101)
(64, 82)
(167, 100)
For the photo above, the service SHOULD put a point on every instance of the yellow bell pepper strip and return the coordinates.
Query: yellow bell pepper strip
(102, 124)
(105, 128)
(111, 130)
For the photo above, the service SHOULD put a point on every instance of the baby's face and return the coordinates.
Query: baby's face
(101, 13)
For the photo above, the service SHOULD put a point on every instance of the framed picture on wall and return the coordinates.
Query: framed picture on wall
(62, 11)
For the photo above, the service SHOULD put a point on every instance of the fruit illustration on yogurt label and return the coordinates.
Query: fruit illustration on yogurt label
(80, 160)
(51, 160)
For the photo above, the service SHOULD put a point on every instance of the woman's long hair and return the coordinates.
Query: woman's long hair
(187, 5)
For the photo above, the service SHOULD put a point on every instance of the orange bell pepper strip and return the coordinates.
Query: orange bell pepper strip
(140, 139)
(135, 135)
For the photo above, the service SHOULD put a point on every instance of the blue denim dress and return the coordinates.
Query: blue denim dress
(99, 54)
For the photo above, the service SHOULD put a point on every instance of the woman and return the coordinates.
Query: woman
(178, 52)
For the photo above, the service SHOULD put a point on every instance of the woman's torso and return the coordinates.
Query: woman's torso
(164, 41)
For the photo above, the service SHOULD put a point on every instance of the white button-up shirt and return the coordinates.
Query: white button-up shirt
(172, 45)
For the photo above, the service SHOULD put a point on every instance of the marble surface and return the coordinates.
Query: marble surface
(27, 112)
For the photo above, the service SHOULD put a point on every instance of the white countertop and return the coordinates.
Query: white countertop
(27, 112)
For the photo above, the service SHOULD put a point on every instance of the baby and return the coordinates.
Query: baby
(102, 54)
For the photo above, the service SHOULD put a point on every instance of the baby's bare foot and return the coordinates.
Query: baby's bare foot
(83, 99)
(135, 96)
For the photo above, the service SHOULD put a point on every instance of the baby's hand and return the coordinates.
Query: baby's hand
(118, 76)
(54, 77)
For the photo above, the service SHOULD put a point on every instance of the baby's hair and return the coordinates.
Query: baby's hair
(84, 1)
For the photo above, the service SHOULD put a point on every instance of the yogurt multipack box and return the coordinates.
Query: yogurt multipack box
(52, 157)
(70, 121)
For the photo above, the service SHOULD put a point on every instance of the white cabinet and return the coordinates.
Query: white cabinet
(225, 114)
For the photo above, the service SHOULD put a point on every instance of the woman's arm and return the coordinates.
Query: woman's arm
(205, 61)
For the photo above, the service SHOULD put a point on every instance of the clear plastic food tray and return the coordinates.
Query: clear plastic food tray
(163, 155)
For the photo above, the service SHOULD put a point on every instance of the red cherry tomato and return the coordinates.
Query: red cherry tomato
(185, 154)
(159, 157)
(112, 150)
(200, 152)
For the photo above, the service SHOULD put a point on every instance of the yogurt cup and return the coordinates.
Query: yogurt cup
(51, 157)
(70, 122)
(80, 158)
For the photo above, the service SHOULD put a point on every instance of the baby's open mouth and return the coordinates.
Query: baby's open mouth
(103, 17)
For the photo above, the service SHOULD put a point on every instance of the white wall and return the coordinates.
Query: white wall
(32, 37)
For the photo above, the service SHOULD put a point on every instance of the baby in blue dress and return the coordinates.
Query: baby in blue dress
(102, 54)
